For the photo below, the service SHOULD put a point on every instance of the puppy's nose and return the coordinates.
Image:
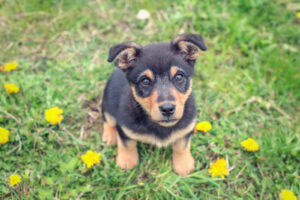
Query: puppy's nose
(167, 109)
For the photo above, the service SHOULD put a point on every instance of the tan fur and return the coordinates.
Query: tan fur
(110, 119)
(125, 57)
(149, 74)
(110, 133)
(149, 104)
(149, 138)
(184, 46)
(183, 161)
(173, 71)
(127, 156)
(133, 44)
(180, 99)
(178, 38)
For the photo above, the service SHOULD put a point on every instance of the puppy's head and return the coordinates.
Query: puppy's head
(160, 75)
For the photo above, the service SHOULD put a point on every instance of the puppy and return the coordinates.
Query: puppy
(149, 98)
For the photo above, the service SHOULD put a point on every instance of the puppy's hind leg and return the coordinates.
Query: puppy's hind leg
(109, 136)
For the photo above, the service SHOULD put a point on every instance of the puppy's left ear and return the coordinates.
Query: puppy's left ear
(188, 45)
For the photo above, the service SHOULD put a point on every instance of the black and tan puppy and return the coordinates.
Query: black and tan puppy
(149, 98)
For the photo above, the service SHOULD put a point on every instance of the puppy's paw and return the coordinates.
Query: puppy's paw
(127, 160)
(109, 136)
(183, 164)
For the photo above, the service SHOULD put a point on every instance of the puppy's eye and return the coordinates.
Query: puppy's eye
(145, 82)
(178, 77)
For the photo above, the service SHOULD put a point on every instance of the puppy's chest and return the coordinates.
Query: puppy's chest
(153, 138)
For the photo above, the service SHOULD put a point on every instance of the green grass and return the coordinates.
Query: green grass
(247, 85)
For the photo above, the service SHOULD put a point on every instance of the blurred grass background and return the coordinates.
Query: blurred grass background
(247, 85)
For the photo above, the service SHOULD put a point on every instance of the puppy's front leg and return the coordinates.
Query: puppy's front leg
(127, 156)
(183, 162)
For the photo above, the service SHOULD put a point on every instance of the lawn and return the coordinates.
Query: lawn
(247, 84)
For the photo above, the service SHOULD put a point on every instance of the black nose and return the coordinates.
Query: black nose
(167, 109)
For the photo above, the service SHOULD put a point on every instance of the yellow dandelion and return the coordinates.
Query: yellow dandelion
(287, 195)
(203, 126)
(90, 158)
(11, 88)
(298, 15)
(14, 180)
(4, 134)
(53, 115)
(10, 66)
(250, 144)
(218, 168)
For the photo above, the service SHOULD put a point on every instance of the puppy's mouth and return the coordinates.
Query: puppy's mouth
(167, 122)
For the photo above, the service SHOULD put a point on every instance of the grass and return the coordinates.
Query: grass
(246, 85)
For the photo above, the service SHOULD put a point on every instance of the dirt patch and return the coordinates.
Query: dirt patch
(93, 116)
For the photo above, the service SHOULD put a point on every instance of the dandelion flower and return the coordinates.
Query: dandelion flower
(53, 115)
(4, 133)
(298, 15)
(10, 66)
(250, 144)
(218, 168)
(203, 126)
(90, 158)
(11, 88)
(14, 180)
(287, 195)
(1, 68)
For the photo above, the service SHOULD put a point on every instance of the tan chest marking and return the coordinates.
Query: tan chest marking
(151, 139)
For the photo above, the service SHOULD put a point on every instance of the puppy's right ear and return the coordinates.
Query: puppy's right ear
(124, 54)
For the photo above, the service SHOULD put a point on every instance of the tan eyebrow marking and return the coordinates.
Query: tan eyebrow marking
(173, 70)
(149, 74)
